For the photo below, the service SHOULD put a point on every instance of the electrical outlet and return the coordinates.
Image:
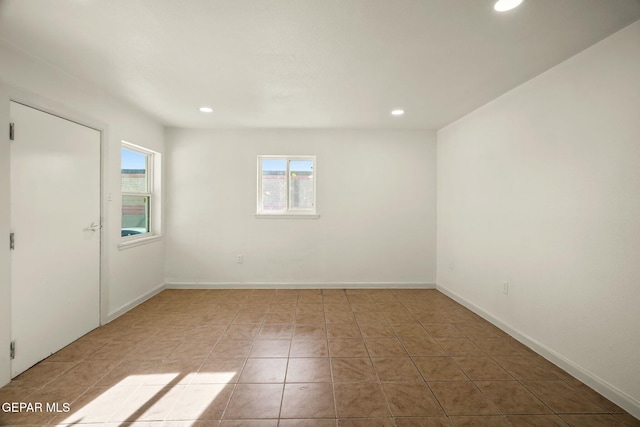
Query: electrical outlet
(505, 288)
(240, 259)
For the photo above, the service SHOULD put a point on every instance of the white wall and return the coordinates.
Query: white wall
(375, 196)
(127, 275)
(541, 188)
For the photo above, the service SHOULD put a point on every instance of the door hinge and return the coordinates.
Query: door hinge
(12, 350)
(12, 241)
(12, 131)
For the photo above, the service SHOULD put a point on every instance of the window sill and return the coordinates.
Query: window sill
(286, 216)
(138, 242)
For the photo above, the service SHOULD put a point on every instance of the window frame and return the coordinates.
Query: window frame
(150, 194)
(288, 212)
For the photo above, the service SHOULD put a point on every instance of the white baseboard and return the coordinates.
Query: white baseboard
(120, 311)
(299, 285)
(618, 397)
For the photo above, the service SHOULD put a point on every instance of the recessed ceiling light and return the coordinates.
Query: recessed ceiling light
(206, 109)
(504, 5)
(397, 112)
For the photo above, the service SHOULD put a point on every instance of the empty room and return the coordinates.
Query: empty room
(301, 213)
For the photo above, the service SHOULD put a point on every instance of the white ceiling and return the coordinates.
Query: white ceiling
(308, 63)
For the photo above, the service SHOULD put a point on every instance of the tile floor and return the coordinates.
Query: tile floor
(303, 358)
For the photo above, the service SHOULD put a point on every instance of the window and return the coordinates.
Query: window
(287, 185)
(137, 167)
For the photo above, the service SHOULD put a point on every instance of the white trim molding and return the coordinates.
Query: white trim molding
(298, 285)
(136, 302)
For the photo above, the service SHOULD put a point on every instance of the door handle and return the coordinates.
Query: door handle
(94, 226)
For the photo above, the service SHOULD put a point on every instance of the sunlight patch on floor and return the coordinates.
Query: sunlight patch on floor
(153, 397)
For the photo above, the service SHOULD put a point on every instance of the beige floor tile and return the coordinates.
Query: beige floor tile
(41, 374)
(596, 397)
(439, 369)
(310, 308)
(365, 422)
(499, 346)
(231, 349)
(363, 306)
(364, 317)
(411, 400)
(334, 299)
(476, 330)
(423, 422)
(628, 419)
(399, 317)
(481, 421)
(377, 330)
(85, 373)
(305, 358)
(279, 318)
(171, 371)
(511, 397)
(339, 317)
(249, 317)
(527, 368)
(76, 351)
(264, 371)
(147, 403)
(192, 350)
(318, 422)
(97, 405)
(254, 307)
(383, 347)
(358, 298)
(347, 347)
(276, 331)
(201, 402)
(310, 318)
(270, 348)
(536, 421)
(282, 308)
(482, 368)
(592, 420)
(422, 346)
(310, 299)
(336, 308)
(462, 398)
(309, 332)
(397, 369)
(308, 400)
(460, 347)
(442, 330)
(309, 348)
(219, 371)
(343, 330)
(413, 329)
(254, 401)
(352, 370)
(155, 349)
(362, 400)
(241, 332)
(561, 397)
(308, 370)
(390, 305)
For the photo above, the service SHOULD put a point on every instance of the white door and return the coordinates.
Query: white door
(55, 218)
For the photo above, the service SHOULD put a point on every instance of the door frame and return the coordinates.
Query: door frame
(60, 110)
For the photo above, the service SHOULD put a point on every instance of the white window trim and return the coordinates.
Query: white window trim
(154, 214)
(288, 213)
